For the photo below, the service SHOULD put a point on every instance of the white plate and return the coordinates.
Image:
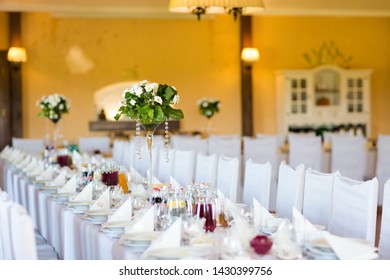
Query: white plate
(142, 238)
(80, 204)
(112, 233)
(177, 253)
(320, 244)
(95, 221)
(63, 197)
(99, 213)
(117, 225)
(318, 254)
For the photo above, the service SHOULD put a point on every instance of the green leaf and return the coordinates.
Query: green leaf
(159, 114)
(169, 94)
(144, 109)
(174, 114)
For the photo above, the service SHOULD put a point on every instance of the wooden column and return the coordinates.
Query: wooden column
(246, 78)
(15, 77)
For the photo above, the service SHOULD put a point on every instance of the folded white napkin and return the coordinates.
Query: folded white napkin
(37, 170)
(124, 212)
(302, 226)
(174, 183)
(144, 223)
(31, 166)
(260, 214)
(103, 202)
(95, 160)
(70, 186)
(46, 175)
(60, 180)
(24, 162)
(5, 151)
(76, 157)
(171, 238)
(14, 155)
(228, 204)
(85, 194)
(350, 249)
(135, 175)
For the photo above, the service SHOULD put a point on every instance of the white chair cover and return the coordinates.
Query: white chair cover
(265, 149)
(317, 198)
(23, 234)
(165, 168)
(306, 150)
(29, 145)
(91, 144)
(230, 147)
(349, 156)
(184, 166)
(257, 183)
(5, 234)
(384, 237)
(118, 151)
(290, 189)
(128, 156)
(354, 208)
(206, 168)
(382, 164)
(228, 172)
(188, 143)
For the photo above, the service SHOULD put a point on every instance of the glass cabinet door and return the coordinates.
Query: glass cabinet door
(298, 96)
(355, 100)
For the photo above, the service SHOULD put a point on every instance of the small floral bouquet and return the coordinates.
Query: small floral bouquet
(53, 106)
(148, 103)
(208, 107)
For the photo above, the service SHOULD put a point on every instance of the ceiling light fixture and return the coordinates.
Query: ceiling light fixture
(201, 7)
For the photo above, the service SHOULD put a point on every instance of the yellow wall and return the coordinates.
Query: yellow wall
(199, 58)
(3, 31)
(283, 40)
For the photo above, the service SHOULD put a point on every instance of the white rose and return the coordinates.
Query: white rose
(157, 99)
(144, 82)
(138, 91)
(208, 113)
(155, 88)
(132, 102)
(205, 104)
(149, 87)
(176, 99)
(61, 107)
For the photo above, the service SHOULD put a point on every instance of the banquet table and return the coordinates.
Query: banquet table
(72, 235)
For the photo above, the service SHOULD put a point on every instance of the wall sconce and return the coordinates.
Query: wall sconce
(17, 55)
(250, 55)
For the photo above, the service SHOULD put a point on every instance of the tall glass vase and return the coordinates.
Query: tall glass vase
(150, 129)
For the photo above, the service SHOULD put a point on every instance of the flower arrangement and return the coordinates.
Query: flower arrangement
(53, 106)
(208, 107)
(148, 103)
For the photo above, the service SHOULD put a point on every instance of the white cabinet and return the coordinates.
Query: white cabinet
(325, 96)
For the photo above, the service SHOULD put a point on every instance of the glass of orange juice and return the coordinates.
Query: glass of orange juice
(122, 179)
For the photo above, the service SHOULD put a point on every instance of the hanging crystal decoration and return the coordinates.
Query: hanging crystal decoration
(138, 141)
(166, 142)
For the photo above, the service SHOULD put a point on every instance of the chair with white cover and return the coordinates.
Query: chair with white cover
(183, 167)
(5, 234)
(23, 234)
(93, 144)
(228, 174)
(29, 145)
(384, 237)
(290, 189)
(354, 208)
(262, 149)
(257, 183)
(191, 143)
(164, 168)
(206, 168)
(128, 156)
(118, 151)
(306, 150)
(318, 195)
(382, 164)
(229, 146)
(349, 156)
